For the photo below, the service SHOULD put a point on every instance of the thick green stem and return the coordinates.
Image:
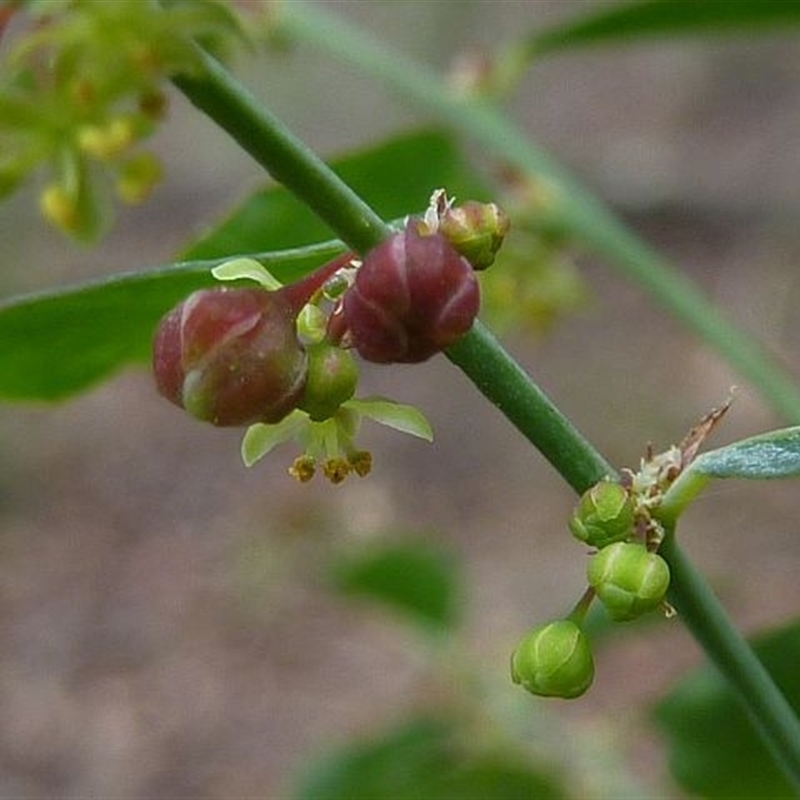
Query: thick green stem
(767, 708)
(504, 382)
(566, 203)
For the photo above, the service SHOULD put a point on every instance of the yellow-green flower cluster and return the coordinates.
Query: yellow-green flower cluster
(81, 87)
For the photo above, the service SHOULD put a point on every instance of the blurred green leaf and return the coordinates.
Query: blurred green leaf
(414, 577)
(60, 342)
(714, 751)
(396, 178)
(654, 18)
(423, 760)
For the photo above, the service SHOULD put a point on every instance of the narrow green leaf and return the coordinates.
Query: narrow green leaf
(60, 342)
(770, 455)
(630, 21)
(403, 418)
(396, 178)
(414, 577)
(714, 750)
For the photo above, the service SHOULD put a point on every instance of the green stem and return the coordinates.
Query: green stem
(503, 382)
(767, 708)
(567, 204)
(287, 159)
(500, 379)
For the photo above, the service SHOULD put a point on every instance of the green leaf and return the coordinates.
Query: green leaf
(414, 577)
(714, 751)
(60, 342)
(400, 417)
(396, 178)
(630, 21)
(423, 760)
(770, 455)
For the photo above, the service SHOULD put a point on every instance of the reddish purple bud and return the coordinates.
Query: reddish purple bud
(412, 297)
(231, 356)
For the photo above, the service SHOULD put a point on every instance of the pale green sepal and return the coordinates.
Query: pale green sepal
(770, 455)
(260, 439)
(246, 268)
(403, 418)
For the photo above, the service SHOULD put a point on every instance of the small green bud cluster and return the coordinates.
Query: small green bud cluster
(627, 577)
(554, 660)
(625, 574)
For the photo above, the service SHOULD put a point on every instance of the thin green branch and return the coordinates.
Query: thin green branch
(501, 380)
(702, 613)
(568, 205)
(267, 140)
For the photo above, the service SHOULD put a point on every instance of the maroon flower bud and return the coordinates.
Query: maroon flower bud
(412, 297)
(231, 356)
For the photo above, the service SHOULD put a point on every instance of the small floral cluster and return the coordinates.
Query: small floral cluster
(81, 88)
(624, 572)
(279, 359)
(619, 521)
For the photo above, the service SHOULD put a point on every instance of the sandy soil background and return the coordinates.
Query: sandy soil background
(165, 632)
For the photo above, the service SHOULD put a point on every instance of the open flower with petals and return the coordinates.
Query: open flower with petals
(330, 444)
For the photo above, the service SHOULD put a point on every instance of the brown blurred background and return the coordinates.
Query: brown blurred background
(164, 630)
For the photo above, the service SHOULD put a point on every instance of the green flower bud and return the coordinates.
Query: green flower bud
(628, 579)
(554, 660)
(332, 378)
(476, 230)
(604, 514)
